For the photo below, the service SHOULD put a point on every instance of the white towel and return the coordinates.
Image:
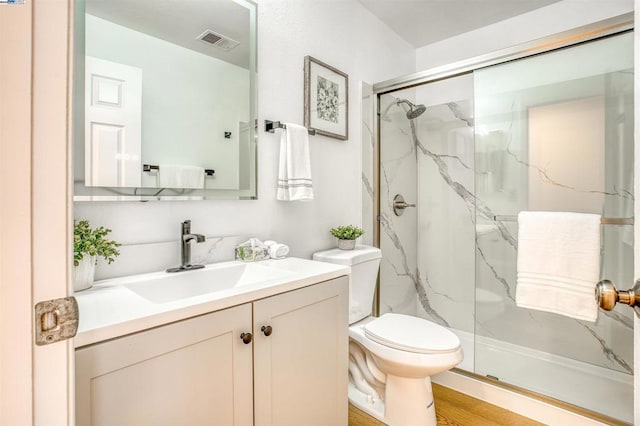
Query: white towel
(294, 172)
(278, 251)
(559, 263)
(174, 176)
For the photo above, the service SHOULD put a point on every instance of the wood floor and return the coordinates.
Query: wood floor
(455, 408)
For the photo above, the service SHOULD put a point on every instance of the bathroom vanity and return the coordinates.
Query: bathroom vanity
(262, 343)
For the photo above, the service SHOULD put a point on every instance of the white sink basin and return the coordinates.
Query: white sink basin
(169, 287)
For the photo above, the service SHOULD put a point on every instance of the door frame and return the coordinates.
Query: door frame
(16, 376)
(36, 382)
(51, 197)
(636, 213)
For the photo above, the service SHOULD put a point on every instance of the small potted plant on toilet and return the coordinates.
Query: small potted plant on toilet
(88, 244)
(346, 236)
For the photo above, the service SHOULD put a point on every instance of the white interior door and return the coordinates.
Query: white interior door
(35, 381)
(113, 127)
(35, 210)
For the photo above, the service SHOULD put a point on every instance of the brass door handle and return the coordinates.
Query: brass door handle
(607, 295)
(266, 330)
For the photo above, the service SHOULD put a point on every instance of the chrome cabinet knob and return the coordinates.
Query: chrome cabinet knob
(246, 338)
(607, 295)
(266, 330)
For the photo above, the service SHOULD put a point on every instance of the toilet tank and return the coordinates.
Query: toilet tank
(364, 262)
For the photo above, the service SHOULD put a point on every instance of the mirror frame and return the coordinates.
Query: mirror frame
(98, 193)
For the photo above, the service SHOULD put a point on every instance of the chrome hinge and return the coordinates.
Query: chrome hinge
(56, 320)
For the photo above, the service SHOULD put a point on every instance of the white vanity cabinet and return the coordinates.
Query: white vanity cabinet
(301, 368)
(193, 372)
(199, 371)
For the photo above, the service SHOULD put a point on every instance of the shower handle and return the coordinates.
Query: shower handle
(607, 295)
(399, 205)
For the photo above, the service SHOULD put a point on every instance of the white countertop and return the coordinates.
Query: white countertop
(109, 309)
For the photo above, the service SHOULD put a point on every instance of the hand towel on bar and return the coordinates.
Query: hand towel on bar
(174, 176)
(558, 263)
(294, 172)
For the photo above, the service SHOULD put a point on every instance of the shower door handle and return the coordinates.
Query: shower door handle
(607, 295)
(399, 205)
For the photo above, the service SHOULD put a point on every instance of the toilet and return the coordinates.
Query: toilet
(392, 357)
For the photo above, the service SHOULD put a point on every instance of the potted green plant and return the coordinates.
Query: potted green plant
(346, 236)
(88, 244)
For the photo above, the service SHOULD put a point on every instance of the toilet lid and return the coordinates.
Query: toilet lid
(411, 334)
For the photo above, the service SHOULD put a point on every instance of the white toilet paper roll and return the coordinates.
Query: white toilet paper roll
(278, 251)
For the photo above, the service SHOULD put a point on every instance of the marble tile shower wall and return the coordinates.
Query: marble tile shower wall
(446, 210)
(514, 172)
(456, 261)
(400, 280)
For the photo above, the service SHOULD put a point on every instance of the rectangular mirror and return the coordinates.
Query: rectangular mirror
(164, 100)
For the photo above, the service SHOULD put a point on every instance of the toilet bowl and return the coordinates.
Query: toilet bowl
(392, 357)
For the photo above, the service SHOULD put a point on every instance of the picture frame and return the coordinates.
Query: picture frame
(326, 99)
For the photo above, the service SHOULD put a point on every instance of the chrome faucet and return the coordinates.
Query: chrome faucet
(187, 237)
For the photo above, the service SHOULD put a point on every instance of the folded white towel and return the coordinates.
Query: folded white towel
(278, 251)
(294, 172)
(558, 263)
(175, 176)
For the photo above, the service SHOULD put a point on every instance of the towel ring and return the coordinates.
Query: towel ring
(607, 295)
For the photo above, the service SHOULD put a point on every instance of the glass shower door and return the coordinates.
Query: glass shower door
(554, 132)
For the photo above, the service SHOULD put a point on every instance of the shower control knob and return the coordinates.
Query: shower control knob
(607, 295)
(399, 205)
(266, 330)
(246, 338)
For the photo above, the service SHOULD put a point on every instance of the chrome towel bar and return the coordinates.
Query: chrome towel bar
(603, 221)
(151, 167)
(271, 126)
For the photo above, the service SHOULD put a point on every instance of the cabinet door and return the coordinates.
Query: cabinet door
(193, 372)
(301, 369)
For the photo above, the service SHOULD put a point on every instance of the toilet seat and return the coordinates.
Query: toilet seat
(411, 334)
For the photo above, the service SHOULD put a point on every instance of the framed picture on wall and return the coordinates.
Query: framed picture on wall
(326, 99)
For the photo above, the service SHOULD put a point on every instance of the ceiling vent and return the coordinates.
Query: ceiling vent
(218, 40)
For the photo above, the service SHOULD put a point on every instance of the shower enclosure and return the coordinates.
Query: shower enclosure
(551, 132)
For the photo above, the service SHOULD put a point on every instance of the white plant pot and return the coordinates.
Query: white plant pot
(83, 273)
(346, 244)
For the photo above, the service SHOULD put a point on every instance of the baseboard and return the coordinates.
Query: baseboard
(513, 401)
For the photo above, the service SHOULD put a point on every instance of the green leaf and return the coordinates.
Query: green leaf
(91, 241)
(347, 232)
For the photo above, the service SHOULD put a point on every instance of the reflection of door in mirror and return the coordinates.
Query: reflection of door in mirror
(113, 123)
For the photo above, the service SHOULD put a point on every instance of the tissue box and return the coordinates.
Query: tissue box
(251, 251)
